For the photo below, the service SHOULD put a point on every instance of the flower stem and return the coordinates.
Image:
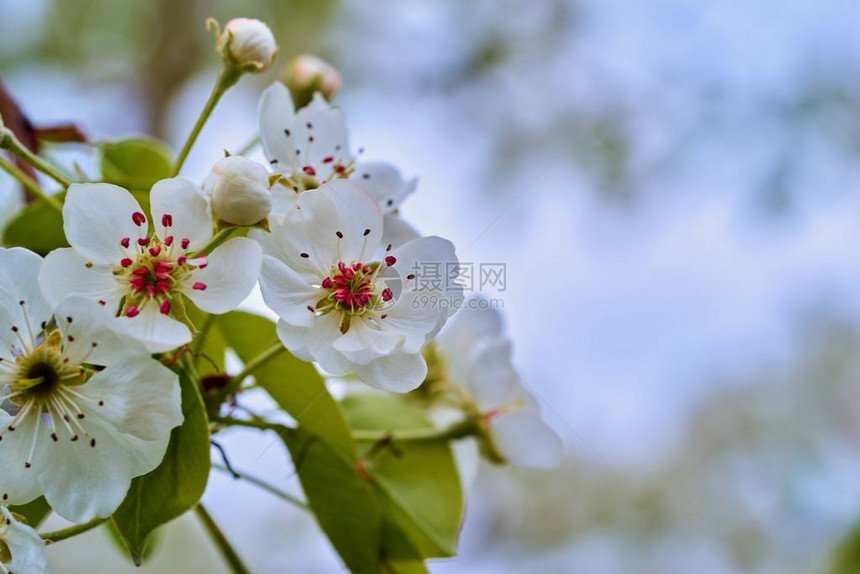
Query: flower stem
(29, 184)
(236, 564)
(227, 77)
(58, 535)
(217, 240)
(255, 364)
(10, 142)
(265, 486)
(462, 429)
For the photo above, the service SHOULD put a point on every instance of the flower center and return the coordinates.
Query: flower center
(353, 289)
(41, 371)
(155, 271)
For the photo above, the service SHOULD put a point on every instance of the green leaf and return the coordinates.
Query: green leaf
(417, 482)
(295, 385)
(406, 567)
(38, 227)
(176, 485)
(150, 546)
(135, 163)
(846, 556)
(35, 511)
(344, 505)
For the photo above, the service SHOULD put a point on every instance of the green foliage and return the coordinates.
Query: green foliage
(846, 558)
(344, 504)
(176, 485)
(295, 385)
(38, 227)
(135, 163)
(35, 511)
(417, 482)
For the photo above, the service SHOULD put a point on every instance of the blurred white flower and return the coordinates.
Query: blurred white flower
(309, 74)
(341, 307)
(239, 190)
(22, 550)
(117, 261)
(87, 408)
(248, 43)
(477, 355)
(311, 148)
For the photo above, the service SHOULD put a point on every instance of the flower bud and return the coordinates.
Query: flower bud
(248, 44)
(239, 189)
(307, 74)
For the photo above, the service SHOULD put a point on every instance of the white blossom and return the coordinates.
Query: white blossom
(311, 147)
(22, 550)
(239, 190)
(85, 409)
(476, 353)
(143, 275)
(248, 43)
(341, 306)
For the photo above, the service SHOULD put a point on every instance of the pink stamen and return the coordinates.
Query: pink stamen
(199, 286)
(181, 260)
(132, 311)
(166, 220)
(309, 170)
(126, 241)
(168, 240)
(327, 283)
(387, 294)
(143, 241)
(155, 250)
(185, 242)
(138, 218)
(126, 262)
(165, 308)
(328, 159)
(390, 260)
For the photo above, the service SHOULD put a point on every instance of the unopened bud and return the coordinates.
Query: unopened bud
(308, 74)
(239, 189)
(248, 44)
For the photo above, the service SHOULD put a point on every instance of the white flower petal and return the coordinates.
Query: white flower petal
(188, 208)
(319, 132)
(19, 281)
(140, 397)
(96, 218)
(368, 340)
(26, 547)
(284, 201)
(413, 317)
(398, 372)
(397, 231)
(231, 273)
(359, 219)
(433, 263)
(157, 332)
(90, 335)
(526, 440)
(80, 481)
(65, 273)
(315, 343)
(309, 230)
(18, 483)
(277, 113)
(384, 182)
(287, 293)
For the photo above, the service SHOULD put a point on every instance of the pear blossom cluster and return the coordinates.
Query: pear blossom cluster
(92, 335)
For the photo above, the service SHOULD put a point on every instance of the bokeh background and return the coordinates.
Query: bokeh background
(673, 187)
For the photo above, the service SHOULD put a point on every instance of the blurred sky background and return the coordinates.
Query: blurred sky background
(673, 187)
